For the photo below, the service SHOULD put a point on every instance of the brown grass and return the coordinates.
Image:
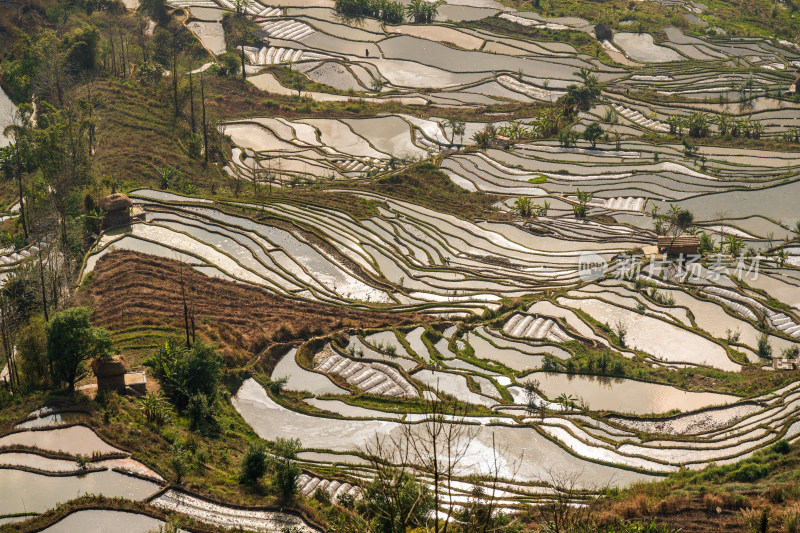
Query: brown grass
(424, 184)
(132, 290)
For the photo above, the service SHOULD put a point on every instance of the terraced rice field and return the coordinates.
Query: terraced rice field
(35, 482)
(517, 311)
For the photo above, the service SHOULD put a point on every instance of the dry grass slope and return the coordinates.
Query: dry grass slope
(133, 290)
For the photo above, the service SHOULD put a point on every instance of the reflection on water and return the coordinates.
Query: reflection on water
(26, 492)
(626, 395)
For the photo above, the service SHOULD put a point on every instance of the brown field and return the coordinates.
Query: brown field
(130, 290)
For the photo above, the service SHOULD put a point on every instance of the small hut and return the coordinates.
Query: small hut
(119, 210)
(795, 87)
(784, 363)
(110, 373)
(603, 32)
(683, 244)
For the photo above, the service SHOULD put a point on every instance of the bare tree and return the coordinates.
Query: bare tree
(436, 451)
(20, 132)
(560, 513)
(439, 446)
(188, 306)
(191, 98)
(8, 343)
(481, 514)
(53, 77)
(394, 497)
(205, 124)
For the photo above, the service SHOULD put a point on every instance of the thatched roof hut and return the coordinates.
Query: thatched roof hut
(683, 244)
(110, 373)
(115, 202)
(119, 210)
(795, 87)
(113, 366)
(603, 32)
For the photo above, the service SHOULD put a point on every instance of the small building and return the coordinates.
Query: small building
(683, 244)
(112, 375)
(136, 382)
(795, 87)
(603, 32)
(650, 250)
(119, 210)
(785, 363)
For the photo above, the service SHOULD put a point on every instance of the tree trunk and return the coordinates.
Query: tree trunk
(205, 124)
(18, 172)
(175, 80)
(191, 98)
(113, 55)
(122, 55)
(185, 310)
(6, 344)
(44, 291)
(54, 281)
(435, 459)
(71, 380)
(244, 77)
(91, 124)
(9, 350)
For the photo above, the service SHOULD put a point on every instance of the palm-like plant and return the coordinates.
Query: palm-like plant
(523, 206)
(735, 244)
(422, 11)
(483, 139)
(155, 407)
(780, 257)
(566, 400)
(584, 197)
(676, 124)
(697, 124)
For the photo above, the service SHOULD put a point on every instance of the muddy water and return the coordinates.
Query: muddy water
(657, 337)
(102, 521)
(75, 440)
(626, 395)
(27, 492)
(782, 202)
(301, 379)
(535, 454)
(56, 419)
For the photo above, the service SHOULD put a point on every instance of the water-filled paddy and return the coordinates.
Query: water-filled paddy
(105, 521)
(535, 454)
(74, 440)
(23, 491)
(658, 338)
(626, 395)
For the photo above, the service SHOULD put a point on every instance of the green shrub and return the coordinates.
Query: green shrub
(254, 463)
(764, 347)
(782, 447)
(749, 473)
